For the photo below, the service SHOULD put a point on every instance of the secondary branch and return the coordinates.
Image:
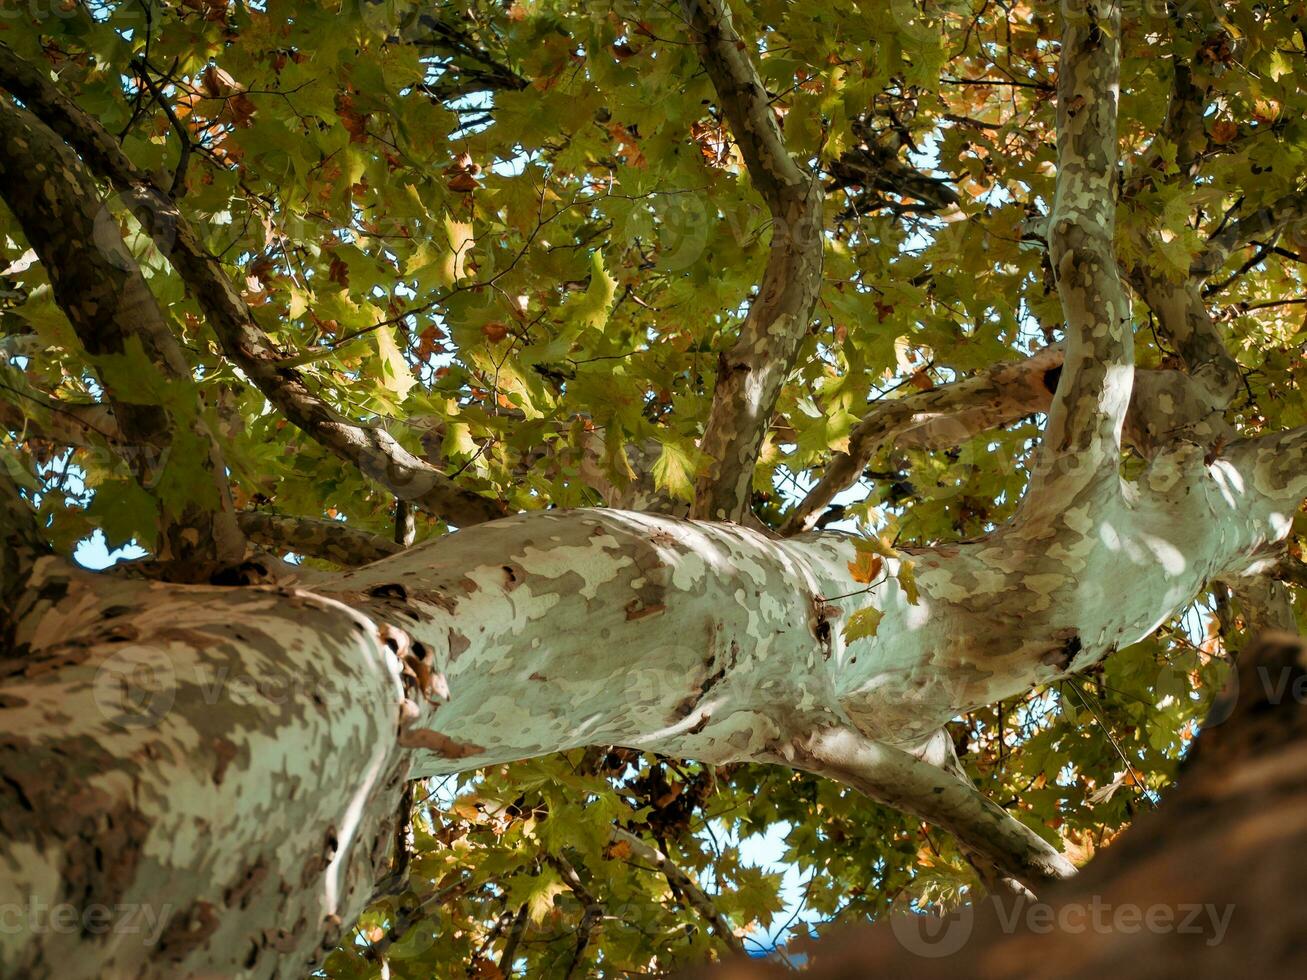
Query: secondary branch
(941, 418)
(1085, 421)
(98, 286)
(373, 450)
(331, 541)
(750, 374)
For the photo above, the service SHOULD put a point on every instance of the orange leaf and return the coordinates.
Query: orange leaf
(866, 568)
(1224, 130)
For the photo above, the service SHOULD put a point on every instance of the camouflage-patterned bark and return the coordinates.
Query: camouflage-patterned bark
(231, 758)
(225, 763)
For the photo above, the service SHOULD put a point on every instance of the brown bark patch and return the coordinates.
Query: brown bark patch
(225, 750)
(238, 895)
(636, 609)
(187, 931)
(442, 745)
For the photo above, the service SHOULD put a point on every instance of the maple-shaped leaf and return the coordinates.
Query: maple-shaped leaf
(865, 567)
(862, 624)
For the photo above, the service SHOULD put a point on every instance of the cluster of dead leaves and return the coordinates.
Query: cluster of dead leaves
(461, 175)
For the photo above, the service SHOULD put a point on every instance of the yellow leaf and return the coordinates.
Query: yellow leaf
(299, 302)
(908, 581)
(395, 373)
(460, 244)
(593, 307)
(875, 546)
(674, 470)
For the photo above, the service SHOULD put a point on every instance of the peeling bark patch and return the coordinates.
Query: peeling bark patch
(442, 745)
(397, 641)
(513, 576)
(246, 573)
(187, 931)
(823, 614)
(280, 940)
(225, 750)
(636, 609)
(713, 677)
(458, 643)
(238, 895)
(100, 835)
(389, 590)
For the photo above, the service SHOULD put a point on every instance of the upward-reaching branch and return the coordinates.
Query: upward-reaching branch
(1187, 323)
(750, 374)
(373, 450)
(1083, 435)
(99, 287)
(1179, 306)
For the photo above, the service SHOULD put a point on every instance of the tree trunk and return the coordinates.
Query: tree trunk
(226, 763)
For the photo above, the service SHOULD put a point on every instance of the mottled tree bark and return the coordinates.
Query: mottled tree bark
(1208, 885)
(239, 751)
(230, 759)
(99, 287)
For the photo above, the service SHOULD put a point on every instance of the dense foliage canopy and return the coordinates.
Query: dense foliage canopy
(515, 236)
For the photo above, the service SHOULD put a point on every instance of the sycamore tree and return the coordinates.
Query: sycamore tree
(568, 440)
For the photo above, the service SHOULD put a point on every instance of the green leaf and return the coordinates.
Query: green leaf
(863, 624)
(674, 470)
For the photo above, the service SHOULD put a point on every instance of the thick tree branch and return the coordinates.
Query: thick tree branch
(98, 286)
(591, 917)
(750, 374)
(875, 168)
(937, 419)
(1186, 322)
(901, 780)
(1207, 885)
(1266, 604)
(1276, 466)
(330, 541)
(1182, 127)
(373, 450)
(1164, 404)
(1083, 434)
(687, 638)
(1179, 307)
(80, 425)
(1270, 220)
(471, 67)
